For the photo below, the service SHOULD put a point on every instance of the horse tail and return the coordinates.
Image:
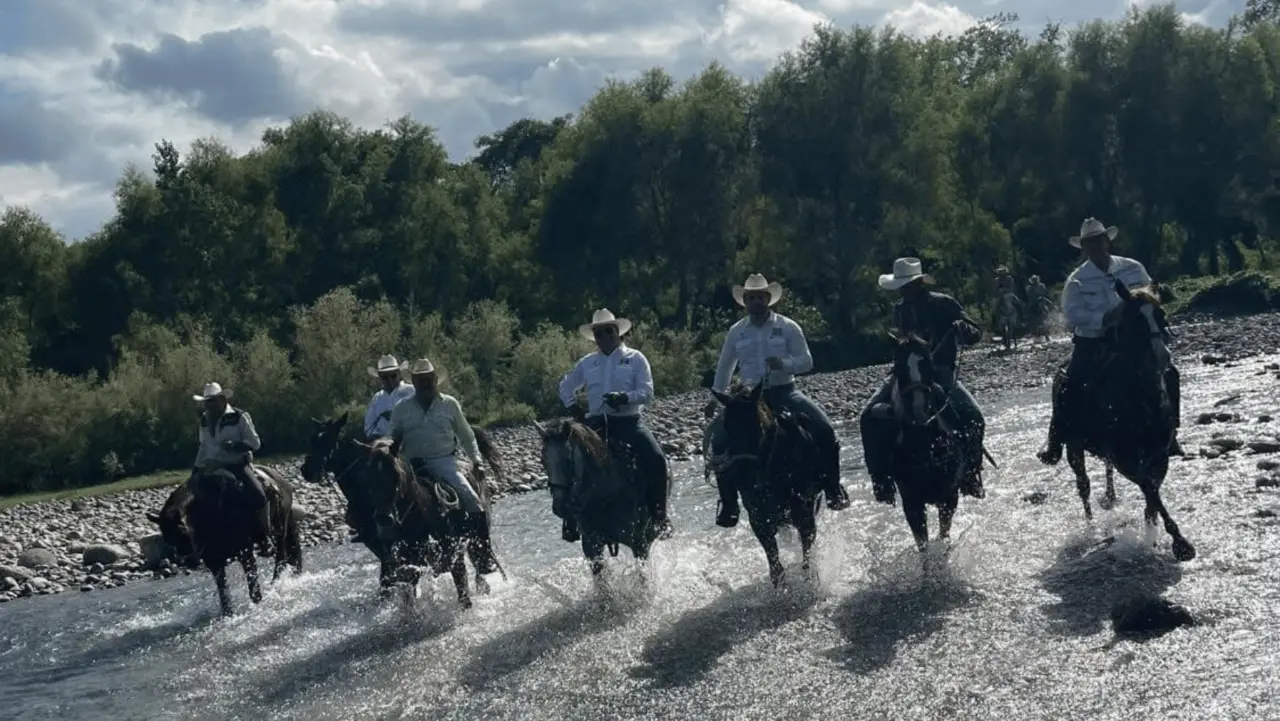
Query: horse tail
(489, 451)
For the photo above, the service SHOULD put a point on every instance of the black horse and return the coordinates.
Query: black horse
(215, 524)
(596, 483)
(928, 453)
(1130, 418)
(778, 466)
(406, 522)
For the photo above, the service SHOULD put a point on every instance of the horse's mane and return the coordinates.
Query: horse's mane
(739, 392)
(1146, 293)
(571, 432)
(385, 461)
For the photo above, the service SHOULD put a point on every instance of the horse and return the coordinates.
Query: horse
(1132, 423)
(1038, 314)
(778, 464)
(404, 521)
(1006, 320)
(214, 523)
(596, 482)
(928, 452)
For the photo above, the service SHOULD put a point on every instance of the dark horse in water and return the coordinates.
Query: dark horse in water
(406, 522)
(776, 461)
(215, 524)
(596, 482)
(928, 451)
(1130, 420)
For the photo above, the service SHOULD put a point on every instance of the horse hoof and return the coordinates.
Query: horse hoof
(1183, 551)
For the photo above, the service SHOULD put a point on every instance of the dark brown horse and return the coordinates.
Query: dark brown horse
(214, 524)
(405, 522)
(1130, 420)
(776, 462)
(597, 484)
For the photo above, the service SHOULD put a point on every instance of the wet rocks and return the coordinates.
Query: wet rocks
(37, 558)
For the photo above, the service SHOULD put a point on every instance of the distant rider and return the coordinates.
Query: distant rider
(227, 442)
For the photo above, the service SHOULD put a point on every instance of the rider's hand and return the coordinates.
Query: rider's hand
(229, 445)
(774, 363)
(617, 399)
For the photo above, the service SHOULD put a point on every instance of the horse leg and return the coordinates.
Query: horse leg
(913, 509)
(1108, 501)
(293, 546)
(219, 571)
(1182, 548)
(1075, 459)
(458, 569)
(251, 576)
(767, 535)
(947, 513)
(806, 522)
(593, 551)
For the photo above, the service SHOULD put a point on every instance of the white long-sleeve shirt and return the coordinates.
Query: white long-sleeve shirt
(748, 345)
(1090, 292)
(434, 432)
(625, 370)
(233, 425)
(377, 420)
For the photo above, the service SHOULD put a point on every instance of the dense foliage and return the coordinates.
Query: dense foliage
(285, 271)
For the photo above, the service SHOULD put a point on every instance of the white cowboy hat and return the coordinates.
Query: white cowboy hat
(1093, 227)
(387, 364)
(213, 390)
(604, 316)
(1002, 269)
(756, 283)
(1033, 279)
(905, 270)
(421, 367)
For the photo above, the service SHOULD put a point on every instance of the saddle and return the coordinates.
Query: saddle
(266, 476)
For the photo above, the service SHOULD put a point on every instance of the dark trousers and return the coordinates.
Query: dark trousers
(651, 462)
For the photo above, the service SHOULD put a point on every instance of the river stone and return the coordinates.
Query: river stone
(37, 558)
(21, 575)
(103, 553)
(153, 549)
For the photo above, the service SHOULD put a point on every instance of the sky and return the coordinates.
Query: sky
(88, 86)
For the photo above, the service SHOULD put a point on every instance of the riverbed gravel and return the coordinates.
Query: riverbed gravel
(107, 541)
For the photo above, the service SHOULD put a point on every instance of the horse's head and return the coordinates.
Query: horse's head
(917, 397)
(747, 422)
(569, 451)
(172, 523)
(1141, 334)
(323, 443)
(391, 487)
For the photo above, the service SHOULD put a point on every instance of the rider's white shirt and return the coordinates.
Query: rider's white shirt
(625, 370)
(748, 345)
(375, 426)
(1090, 292)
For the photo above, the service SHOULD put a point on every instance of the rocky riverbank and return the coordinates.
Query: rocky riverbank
(107, 541)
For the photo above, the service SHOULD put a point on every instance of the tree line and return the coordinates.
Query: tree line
(284, 271)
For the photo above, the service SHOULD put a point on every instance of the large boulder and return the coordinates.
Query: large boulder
(104, 553)
(154, 550)
(37, 558)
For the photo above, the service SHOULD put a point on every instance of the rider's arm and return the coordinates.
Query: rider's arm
(395, 428)
(571, 382)
(1077, 313)
(202, 453)
(644, 381)
(370, 418)
(462, 429)
(249, 434)
(799, 359)
(967, 331)
(724, 368)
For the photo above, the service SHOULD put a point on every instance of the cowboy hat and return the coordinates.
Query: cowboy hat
(1090, 228)
(756, 283)
(1033, 279)
(387, 364)
(213, 390)
(1001, 269)
(905, 270)
(603, 317)
(422, 367)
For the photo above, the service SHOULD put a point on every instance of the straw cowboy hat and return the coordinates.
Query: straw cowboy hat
(905, 270)
(213, 390)
(603, 317)
(422, 367)
(1033, 279)
(387, 364)
(1001, 269)
(756, 283)
(1092, 227)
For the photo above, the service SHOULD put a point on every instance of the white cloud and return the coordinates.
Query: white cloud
(87, 87)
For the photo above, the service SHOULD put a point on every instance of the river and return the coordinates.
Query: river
(1013, 623)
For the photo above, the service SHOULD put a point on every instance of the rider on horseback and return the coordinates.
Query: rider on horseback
(1091, 306)
(377, 419)
(1037, 293)
(619, 382)
(227, 442)
(430, 429)
(942, 323)
(770, 346)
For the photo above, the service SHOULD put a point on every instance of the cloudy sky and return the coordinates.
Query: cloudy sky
(87, 86)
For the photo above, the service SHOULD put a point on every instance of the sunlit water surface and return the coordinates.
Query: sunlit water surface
(1013, 624)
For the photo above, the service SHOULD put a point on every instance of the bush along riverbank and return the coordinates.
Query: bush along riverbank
(106, 541)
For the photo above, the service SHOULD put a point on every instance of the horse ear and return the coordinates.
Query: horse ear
(724, 399)
(153, 517)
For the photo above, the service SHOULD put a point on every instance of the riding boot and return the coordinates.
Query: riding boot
(727, 514)
(480, 544)
(837, 496)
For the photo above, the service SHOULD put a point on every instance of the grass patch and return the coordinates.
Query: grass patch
(159, 479)
(1249, 291)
